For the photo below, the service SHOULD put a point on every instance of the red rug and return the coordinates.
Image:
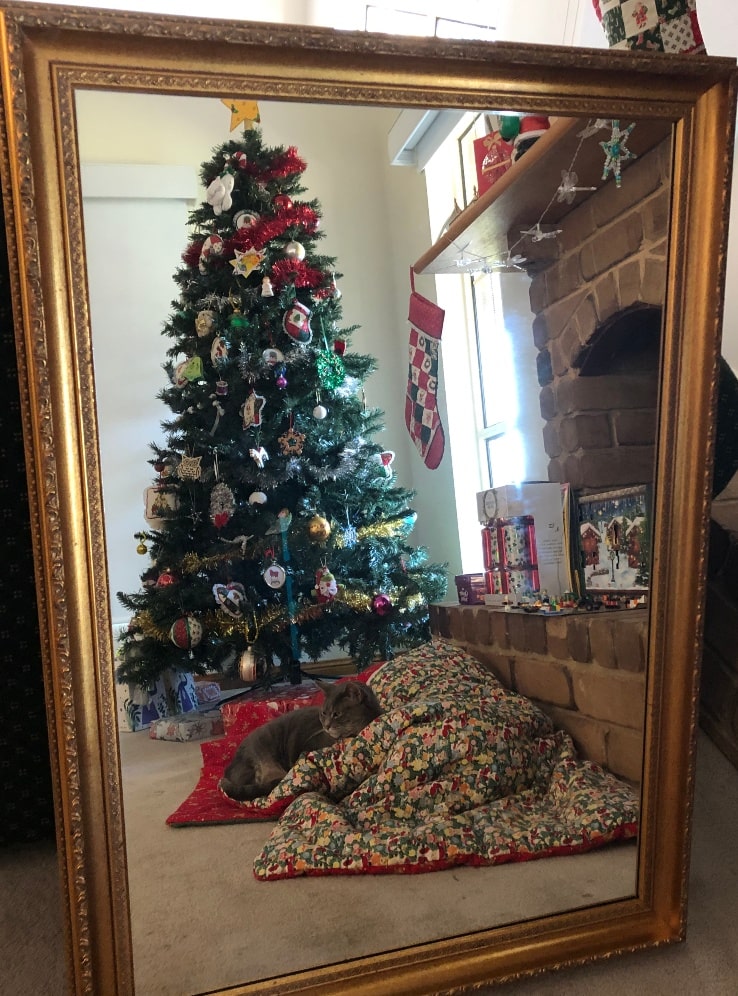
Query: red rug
(206, 803)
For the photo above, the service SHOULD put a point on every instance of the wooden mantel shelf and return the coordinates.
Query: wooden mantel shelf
(522, 194)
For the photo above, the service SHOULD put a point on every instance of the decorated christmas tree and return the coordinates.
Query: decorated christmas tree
(276, 529)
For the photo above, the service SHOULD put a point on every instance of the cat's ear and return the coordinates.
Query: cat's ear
(324, 686)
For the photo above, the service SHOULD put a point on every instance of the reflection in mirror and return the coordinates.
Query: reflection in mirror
(552, 281)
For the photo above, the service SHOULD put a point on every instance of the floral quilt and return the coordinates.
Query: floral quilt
(457, 770)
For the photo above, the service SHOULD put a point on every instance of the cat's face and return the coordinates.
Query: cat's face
(348, 707)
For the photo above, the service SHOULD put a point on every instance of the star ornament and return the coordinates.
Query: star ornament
(244, 112)
(616, 151)
(246, 262)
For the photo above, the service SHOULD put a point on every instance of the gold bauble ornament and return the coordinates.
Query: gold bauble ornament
(319, 529)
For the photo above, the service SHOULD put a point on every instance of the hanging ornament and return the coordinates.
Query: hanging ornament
(326, 588)
(204, 323)
(257, 498)
(212, 246)
(165, 579)
(221, 388)
(266, 287)
(335, 292)
(251, 410)
(218, 351)
(272, 357)
(295, 250)
(282, 202)
(296, 323)
(222, 504)
(320, 412)
(219, 413)
(386, 458)
(339, 346)
(187, 371)
(250, 667)
(231, 598)
(568, 188)
(275, 575)
(319, 529)
(331, 371)
(282, 524)
(245, 219)
(246, 262)
(218, 193)
(141, 548)
(350, 535)
(381, 605)
(291, 442)
(186, 632)
(280, 379)
(158, 504)
(189, 468)
(240, 159)
(259, 455)
(616, 150)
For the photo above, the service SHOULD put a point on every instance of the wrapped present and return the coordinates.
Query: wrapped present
(172, 694)
(207, 692)
(470, 589)
(493, 158)
(260, 706)
(189, 726)
(651, 25)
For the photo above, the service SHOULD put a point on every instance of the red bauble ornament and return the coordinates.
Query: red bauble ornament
(165, 578)
(381, 605)
(339, 347)
(283, 202)
(186, 632)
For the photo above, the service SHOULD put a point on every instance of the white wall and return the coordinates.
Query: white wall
(376, 222)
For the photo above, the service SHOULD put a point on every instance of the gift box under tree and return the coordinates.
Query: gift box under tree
(172, 694)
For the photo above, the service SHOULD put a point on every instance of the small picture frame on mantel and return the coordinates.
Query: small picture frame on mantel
(614, 541)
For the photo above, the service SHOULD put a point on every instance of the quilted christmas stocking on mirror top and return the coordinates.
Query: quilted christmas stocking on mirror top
(421, 402)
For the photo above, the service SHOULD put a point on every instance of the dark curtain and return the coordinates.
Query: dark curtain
(26, 803)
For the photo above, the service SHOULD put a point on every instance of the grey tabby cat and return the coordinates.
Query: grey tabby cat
(265, 756)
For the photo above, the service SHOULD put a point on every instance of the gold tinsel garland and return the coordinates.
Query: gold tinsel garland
(275, 617)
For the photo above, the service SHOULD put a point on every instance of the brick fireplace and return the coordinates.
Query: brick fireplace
(596, 294)
(597, 324)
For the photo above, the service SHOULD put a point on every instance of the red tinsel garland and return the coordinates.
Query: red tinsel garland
(295, 271)
(265, 229)
(282, 165)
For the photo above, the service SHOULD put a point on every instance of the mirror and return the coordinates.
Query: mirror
(59, 64)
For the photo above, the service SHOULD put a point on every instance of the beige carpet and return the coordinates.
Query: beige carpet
(176, 864)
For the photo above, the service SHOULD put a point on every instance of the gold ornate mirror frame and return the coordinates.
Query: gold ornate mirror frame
(49, 52)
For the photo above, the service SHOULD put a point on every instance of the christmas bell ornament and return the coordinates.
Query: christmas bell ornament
(381, 604)
(295, 250)
(319, 529)
(186, 632)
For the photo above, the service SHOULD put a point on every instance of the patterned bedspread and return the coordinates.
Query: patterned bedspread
(457, 770)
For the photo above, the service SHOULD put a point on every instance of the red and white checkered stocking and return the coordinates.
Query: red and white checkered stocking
(421, 403)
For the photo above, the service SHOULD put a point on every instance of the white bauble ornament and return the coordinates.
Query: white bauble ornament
(257, 498)
(296, 250)
(320, 412)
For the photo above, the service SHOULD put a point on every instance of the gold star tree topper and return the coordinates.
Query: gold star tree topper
(245, 112)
